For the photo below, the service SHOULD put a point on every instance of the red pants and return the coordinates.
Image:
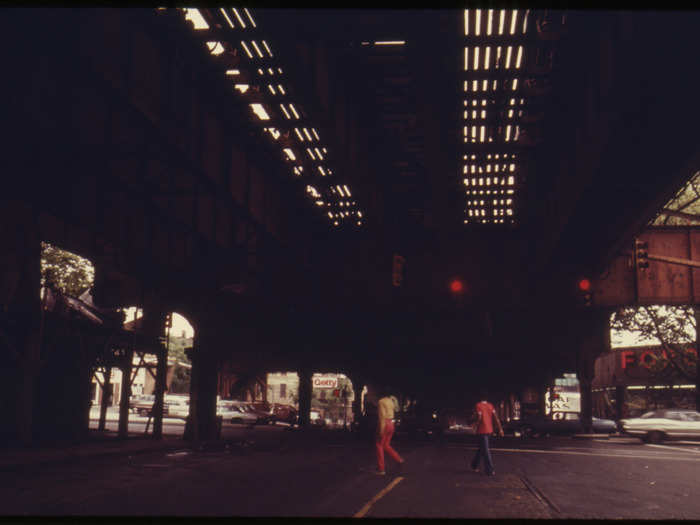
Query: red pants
(383, 443)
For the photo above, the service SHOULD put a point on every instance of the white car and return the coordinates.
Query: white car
(660, 425)
(179, 408)
(233, 412)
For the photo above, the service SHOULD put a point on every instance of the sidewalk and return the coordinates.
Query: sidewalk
(99, 444)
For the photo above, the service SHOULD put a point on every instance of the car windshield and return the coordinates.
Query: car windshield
(649, 415)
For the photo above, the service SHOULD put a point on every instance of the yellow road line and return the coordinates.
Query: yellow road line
(364, 510)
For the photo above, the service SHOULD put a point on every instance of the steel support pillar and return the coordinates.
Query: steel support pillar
(161, 373)
(620, 411)
(594, 339)
(20, 317)
(153, 325)
(305, 392)
(106, 397)
(696, 310)
(123, 431)
(203, 424)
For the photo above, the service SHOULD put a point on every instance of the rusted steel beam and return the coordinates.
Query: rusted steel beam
(501, 74)
(674, 260)
(680, 214)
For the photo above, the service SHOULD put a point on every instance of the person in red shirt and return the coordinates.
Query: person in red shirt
(485, 416)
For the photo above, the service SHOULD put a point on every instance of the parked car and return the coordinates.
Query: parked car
(231, 411)
(533, 426)
(284, 414)
(263, 417)
(425, 424)
(143, 404)
(178, 407)
(661, 425)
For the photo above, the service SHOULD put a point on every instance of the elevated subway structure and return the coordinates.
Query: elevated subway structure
(131, 144)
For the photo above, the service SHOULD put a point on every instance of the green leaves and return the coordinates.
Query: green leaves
(68, 272)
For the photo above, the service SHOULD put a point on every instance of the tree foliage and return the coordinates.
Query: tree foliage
(65, 271)
(673, 327)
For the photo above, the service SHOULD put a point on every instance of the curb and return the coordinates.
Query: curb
(591, 436)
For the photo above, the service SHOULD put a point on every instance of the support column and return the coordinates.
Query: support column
(20, 318)
(620, 401)
(154, 323)
(305, 391)
(696, 310)
(161, 373)
(203, 383)
(106, 397)
(594, 339)
(123, 432)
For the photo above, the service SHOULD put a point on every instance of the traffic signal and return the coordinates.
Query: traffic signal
(456, 286)
(584, 287)
(641, 254)
(336, 393)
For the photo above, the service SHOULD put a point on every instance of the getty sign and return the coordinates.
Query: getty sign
(325, 382)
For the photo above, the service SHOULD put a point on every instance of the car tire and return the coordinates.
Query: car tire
(654, 437)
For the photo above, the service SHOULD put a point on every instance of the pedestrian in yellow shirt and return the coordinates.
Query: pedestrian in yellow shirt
(385, 431)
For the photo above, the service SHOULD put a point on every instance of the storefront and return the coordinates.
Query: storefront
(640, 379)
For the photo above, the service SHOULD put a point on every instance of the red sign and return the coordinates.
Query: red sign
(325, 382)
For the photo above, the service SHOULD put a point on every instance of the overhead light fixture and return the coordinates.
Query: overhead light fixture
(223, 11)
(259, 110)
(238, 17)
(196, 18)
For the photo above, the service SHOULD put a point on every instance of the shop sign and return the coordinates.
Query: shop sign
(325, 382)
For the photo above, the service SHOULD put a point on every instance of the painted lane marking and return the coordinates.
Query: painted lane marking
(571, 453)
(364, 510)
(674, 448)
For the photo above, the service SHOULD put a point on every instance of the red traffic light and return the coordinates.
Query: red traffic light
(336, 393)
(456, 286)
(584, 285)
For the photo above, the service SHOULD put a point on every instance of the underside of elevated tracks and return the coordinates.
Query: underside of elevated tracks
(304, 185)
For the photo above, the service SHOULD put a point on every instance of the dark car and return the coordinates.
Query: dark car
(570, 423)
(284, 414)
(263, 417)
(426, 425)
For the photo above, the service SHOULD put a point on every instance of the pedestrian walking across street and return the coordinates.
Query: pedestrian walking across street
(385, 431)
(485, 417)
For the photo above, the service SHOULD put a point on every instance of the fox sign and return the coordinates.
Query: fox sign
(325, 382)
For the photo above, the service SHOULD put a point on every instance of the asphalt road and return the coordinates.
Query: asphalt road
(271, 471)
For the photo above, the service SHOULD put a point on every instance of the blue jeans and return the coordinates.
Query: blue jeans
(483, 452)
